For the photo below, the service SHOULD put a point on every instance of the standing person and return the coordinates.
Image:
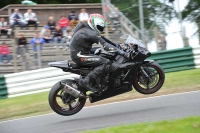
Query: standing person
(63, 22)
(35, 41)
(51, 23)
(4, 52)
(31, 18)
(5, 28)
(73, 19)
(83, 16)
(164, 42)
(22, 43)
(17, 19)
(46, 34)
(58, 36)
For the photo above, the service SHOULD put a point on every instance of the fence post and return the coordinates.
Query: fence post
(39, 55)
(105, 15)
(141, 20)
(156, 36)
(14, 56)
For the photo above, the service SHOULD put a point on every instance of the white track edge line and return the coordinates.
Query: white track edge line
(107, 104)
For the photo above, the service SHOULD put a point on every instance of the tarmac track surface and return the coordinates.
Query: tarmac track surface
(133, 111)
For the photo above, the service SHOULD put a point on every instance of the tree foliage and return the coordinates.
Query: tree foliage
(155, 12)
(192, 11)
(7, 2)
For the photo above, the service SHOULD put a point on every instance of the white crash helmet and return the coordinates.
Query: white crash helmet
(97, 22)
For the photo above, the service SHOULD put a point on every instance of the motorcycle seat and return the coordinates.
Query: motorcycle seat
(60, 64)
(75, 66)
(66, 64)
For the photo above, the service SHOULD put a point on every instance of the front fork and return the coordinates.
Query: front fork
(146, 75)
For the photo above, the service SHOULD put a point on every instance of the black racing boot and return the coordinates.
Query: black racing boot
(94, 74)
(86, 83)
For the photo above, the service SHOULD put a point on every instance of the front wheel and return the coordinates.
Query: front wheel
(62, 103)
(149, 78)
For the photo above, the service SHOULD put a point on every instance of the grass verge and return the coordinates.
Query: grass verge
(36, 104)
(185, 125)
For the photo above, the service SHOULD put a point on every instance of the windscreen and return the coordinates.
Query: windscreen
(128, 39)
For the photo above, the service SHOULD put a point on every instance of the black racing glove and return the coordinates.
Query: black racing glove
(125, 54)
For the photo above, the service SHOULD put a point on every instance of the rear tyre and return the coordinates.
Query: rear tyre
(150, 85)
(62, 103)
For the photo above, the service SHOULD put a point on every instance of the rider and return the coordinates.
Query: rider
(85, 35)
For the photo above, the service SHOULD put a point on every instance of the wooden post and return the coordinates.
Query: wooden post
(186, 41)
(156, 35)
(14, 56)
(198, 23)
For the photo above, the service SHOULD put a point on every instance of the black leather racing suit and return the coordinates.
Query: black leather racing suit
(81, 43)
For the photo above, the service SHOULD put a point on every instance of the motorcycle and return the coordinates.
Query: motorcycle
(66, 97)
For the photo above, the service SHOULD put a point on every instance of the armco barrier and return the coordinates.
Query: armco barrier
(29, 82)
(178, 59)
(3, 87)
(40, 80)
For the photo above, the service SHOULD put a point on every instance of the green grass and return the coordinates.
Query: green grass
(38, 103)
(186, 125)
(24, 106)
(183, 79)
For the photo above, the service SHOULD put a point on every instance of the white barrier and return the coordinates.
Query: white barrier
(33, 75)
(196, 54)
(35, 81)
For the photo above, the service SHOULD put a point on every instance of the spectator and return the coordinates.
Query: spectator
(58, 36)
(68, 37)
(69, 31)
(51, 23)
(31, 18)
(22, 43)
(17, 19)
(83, 16)
(4, 27)
(63, 22)
(162, 43)
(37, 40)
(46, 34)
(4, 52)
(73, 19)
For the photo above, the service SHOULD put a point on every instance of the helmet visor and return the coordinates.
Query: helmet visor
(100, 28)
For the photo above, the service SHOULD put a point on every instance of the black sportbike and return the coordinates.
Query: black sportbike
(66, 97)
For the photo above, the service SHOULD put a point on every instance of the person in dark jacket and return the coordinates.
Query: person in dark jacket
(58, 36)
(73, 18)
(51, 23)
(85, 35)
(22, 43)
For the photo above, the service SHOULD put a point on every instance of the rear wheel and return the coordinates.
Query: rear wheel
(62, 103)
(152, 83)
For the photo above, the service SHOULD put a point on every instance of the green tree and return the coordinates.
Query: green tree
(155, 12)
(192, 13)
(7, 2)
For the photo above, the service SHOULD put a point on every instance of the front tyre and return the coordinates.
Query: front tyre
(152, 83)
(62, 103)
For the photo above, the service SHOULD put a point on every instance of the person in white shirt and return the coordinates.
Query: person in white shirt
(5, 28)
(17, 19)
(83, 16)
(31, 18)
